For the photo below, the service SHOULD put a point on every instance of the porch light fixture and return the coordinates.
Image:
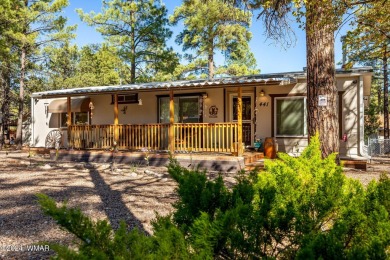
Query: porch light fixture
(262, 93)
(91, 106)
(140, 102)
(205, 95)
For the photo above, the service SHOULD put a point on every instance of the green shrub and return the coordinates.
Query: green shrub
(301, 207)
(196, 194)
(297, 208)
(97, 240)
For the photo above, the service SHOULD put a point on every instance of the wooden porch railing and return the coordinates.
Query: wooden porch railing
(149, 136)
(91, 136)
(217, 137)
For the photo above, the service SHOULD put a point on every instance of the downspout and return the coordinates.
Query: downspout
(361, 117)
(32, 122)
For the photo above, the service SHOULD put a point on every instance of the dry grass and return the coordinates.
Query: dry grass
(130, 194)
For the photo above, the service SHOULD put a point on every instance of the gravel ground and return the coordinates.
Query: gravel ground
(374, 170)
(132, 192)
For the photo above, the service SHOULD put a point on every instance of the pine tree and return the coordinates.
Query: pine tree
(139, 30)
(38, 25)
(59, 67)
(240, 61)
(369, 42)
(99, 65)
(320, 19)
(210, 26)
(8, 21)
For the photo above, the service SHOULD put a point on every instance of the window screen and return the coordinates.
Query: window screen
(290, 117)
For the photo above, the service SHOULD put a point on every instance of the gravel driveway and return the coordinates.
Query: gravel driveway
(132, 192)
(129, 194)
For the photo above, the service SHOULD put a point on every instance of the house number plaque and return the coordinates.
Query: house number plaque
(322, 101)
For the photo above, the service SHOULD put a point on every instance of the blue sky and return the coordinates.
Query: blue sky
(270, 56)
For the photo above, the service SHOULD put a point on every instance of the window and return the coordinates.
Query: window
(63, 117)
(78, 118)
(290, 116)
(126, 98)
(187, 109)
(246, 108)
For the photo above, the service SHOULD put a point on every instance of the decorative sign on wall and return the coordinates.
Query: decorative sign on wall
(124, 109)
(213, 111)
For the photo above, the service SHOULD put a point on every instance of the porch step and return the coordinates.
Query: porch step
(259, 164)
(37, 150)
(209, 162)
(355, 164)
(250, 157)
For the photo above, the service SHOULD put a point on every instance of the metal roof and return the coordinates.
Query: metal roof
(184, 84)
(262, 79)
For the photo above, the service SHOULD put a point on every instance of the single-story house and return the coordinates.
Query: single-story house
(196, 115)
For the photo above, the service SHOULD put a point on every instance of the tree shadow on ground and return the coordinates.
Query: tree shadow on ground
(114, 206)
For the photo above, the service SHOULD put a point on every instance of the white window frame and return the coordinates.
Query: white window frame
(304, 116)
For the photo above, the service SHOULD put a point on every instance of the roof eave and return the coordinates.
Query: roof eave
(124, 89)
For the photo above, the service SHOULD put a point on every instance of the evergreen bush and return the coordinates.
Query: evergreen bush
(97, 240)
(297, 208)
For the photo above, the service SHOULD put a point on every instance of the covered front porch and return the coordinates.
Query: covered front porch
(170, 136)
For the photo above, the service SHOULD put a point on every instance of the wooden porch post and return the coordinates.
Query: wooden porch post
(69, 119)
(239, 122)
(116, 120)
(171, 122)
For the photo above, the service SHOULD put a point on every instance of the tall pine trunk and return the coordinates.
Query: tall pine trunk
(133, 49)
(321, 77)
(133, 60)
(211, 66)
(19, 129)
(210, 50)
(5, 81)
(385, 95)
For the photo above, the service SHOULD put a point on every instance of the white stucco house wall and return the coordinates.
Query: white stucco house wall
(274, 105)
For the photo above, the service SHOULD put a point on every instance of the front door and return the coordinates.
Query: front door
(247, 115)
